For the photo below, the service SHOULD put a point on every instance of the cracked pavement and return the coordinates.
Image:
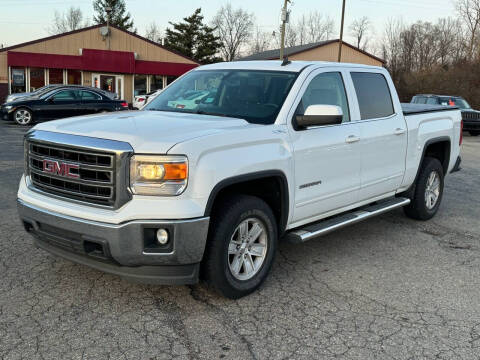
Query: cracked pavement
(387, 288)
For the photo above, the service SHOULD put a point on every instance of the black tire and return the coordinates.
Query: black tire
(24, 121)
(227, 216)
(418, 208)
(474, 133)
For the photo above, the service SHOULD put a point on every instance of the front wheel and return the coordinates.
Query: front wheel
(23, 117)
(428, 192)
(241, 246)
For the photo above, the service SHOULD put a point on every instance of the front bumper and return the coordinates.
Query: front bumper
(471, 125)
(4, 113)
(128, 250)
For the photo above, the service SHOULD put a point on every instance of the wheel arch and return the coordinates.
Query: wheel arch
(439, 148)
(257, 184)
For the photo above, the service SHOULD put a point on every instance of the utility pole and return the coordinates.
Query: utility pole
(108, 10)
(341, 33)
(284, 25)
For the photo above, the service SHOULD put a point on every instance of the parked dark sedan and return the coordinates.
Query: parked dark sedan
(470, 117)
(61, 102)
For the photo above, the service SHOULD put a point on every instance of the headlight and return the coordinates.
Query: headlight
(158, 175)
(8, 107)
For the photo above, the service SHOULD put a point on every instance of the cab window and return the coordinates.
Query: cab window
(325, 89)
(373, 95)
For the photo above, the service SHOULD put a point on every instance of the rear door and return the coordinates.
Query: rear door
(383, 134)
(327, 158)
(92, 102)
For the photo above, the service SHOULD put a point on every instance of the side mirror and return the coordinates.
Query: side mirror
(318, 115)
(51, 99)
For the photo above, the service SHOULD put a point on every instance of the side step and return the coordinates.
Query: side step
(323, 227)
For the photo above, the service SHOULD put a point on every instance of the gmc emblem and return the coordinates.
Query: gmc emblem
(60, 168)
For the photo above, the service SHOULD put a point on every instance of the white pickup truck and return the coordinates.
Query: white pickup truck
(270, 151)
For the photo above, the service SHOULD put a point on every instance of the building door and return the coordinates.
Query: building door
(109, 82)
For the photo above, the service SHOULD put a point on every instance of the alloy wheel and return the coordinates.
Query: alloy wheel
(23, 117)
(432, 190)
(247, 249)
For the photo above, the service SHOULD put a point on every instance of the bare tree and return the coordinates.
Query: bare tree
(309, 29)
(319, 28)
(260, 41)
(234, 28)
(392, 45)
(469, 11)
(360, 29)
(70, 20)
(153, 33)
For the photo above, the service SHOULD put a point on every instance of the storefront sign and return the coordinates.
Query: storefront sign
(18, 77)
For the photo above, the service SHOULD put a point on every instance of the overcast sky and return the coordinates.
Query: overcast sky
(25, 20)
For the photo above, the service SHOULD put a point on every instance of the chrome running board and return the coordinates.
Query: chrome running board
(323, 227)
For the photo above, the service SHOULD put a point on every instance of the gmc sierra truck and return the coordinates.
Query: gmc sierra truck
(270, 151)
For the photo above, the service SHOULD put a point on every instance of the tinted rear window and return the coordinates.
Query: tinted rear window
(373, 95)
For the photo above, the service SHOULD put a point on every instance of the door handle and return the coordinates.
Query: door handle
(399, 131)
(352, 139)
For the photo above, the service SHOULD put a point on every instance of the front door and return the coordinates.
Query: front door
(108, 82)
(327, 158)
(62, 104)
(383, 134)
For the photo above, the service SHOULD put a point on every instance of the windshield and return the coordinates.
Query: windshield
(459, 102)
(255, 96)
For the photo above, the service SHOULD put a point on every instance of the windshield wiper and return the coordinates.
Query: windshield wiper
(201, 112)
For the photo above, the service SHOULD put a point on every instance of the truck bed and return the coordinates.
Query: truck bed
(413, 109)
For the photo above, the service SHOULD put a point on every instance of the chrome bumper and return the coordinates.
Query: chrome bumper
(129, 249)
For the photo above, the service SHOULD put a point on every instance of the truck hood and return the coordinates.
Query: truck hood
(145, 131)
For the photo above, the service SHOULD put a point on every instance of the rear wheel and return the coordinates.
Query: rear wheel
(474, 132)
(241, 246)
(428, 192)
(23, 117)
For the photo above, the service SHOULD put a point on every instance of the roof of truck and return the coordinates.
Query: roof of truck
(435, 95)
(276, 65)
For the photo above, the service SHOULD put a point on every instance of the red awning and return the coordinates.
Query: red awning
(162, 68)
(120, 62)
(51, 61)
(110, 61)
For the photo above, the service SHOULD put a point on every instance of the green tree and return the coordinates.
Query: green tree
(118, 16)
(194, 39)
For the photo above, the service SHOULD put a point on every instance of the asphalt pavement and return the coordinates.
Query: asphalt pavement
(387, 288)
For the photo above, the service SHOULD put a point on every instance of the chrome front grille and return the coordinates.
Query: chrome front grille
(68, 169)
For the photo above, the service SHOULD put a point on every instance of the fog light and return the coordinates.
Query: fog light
(162, 236)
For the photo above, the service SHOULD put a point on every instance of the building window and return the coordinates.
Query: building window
(55, 76)
(74, 77)
(156, 82)
(140, 85)
(171, 79)
(18, 80)
(37, 78)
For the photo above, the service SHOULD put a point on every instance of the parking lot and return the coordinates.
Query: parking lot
(388, 288)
